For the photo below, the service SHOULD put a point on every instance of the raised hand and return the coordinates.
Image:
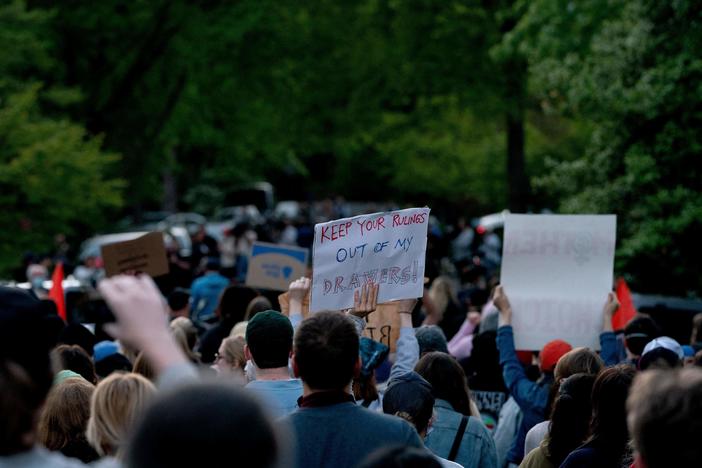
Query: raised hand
(365, 301)
(502, 303)
(298, 289)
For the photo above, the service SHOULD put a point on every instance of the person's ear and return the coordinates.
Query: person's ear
(357, 368)
(296, 371)
(247, 353)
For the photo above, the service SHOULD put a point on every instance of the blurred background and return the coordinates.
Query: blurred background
(224, 118)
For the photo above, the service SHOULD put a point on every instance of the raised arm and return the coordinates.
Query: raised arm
(297, 292)
(142, 322)
(407, 352)
(608, 341)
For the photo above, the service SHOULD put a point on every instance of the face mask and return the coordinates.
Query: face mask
(38, 282)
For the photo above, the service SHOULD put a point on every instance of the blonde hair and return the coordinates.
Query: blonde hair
(577, 361)
(234, 351)
(441, 293)
(117, 402)
(65, 414)
(185, 334)
(239, 330)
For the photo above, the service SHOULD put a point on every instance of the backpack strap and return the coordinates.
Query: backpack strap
(459, 438)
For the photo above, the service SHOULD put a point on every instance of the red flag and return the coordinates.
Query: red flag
(626, 306)
(56, 293)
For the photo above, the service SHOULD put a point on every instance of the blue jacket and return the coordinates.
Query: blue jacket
(477, 449)
(532, 397)
(278, 396)
(204, 295)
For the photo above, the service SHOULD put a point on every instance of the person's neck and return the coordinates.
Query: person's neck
(307, 391)
(277, 373)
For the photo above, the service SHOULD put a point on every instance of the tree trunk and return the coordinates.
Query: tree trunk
(519, 189)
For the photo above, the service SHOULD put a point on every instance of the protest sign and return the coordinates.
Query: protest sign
(383, 325)
(273, 266)
(145, 254)
(383, 248)
(557, 271)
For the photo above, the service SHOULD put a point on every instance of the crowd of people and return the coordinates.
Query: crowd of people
(218, 374)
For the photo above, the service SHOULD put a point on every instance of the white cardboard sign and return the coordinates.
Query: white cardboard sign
(384, 248)
(557, 271)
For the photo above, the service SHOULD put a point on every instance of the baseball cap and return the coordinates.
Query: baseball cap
(551, 353)
(104, 349)
(373, 353)
(409, 393)
(269, 336)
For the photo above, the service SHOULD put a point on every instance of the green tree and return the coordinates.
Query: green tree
(53, 173)
(632, 70)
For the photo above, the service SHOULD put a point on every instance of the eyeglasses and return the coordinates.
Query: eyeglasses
(218, 357)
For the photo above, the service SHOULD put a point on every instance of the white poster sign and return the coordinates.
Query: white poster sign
(557, 271)
(384, 248)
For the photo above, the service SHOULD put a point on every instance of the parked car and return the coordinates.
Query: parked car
(228, 217)
(190, 221)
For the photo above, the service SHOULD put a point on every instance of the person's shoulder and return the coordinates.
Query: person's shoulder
(579, 457)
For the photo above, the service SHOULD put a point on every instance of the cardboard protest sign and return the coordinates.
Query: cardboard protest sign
(557, 271)
(145, 254)
(273, 266)
(384, 248)
(383, 325)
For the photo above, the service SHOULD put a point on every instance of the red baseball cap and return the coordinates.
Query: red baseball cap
(551, 353)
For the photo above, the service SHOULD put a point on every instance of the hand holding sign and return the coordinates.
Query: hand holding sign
(365, 301)
(502, 303)
(608, 311)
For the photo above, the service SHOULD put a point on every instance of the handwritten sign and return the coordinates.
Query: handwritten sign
(557, 271)
(382, 248)
(383, 325)
(274, 266)
(145, 254)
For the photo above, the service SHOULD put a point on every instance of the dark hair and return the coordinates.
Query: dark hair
(74, 358)
(233, 302)
(447, 380)
(112, 363)
(696, 335)
(326, 351)
(204, 424)
(608, 427)
(570, 418)
(178, 299)
(400, 457)
(20, 398)
(639, 332)
(665, 417)
(256, 305)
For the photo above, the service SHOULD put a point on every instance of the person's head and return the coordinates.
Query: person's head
(233, 302)
(230, 358)
(269, 340)
(662, 353)
(638, 332)
(410, 398)
(431, 338)
(212, 264)
(65, 414)
(570, 417)
(179, 303)
(447, 379)
(400, 457)
(239, 330)
(608, 426)
(696, 335)
(256, 305)
(577, 361)
(116, 362)
(326, 351)
(186, 335)
(143, 367)
(25, 369)
(115, 406)
(665, 417)
(441, 293)
(551, 353)
(74, 358)
(373, 354)
(204, 424)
